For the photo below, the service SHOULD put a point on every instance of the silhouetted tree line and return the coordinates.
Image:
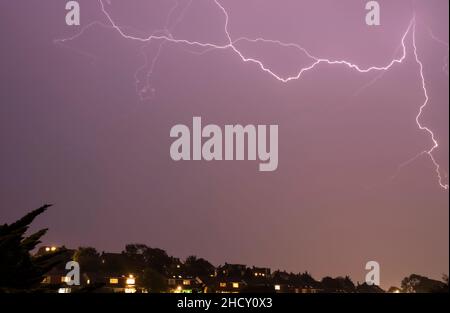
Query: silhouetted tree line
(21, 271)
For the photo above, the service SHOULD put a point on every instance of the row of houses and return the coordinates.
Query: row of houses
(227, 278)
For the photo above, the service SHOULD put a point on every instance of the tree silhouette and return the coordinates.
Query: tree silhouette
(154, 281)
(19, 270)
(198, 267)
(421, 284)
(142, 257)
(88, 258)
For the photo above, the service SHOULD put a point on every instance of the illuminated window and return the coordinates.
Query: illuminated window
(235, 285)
(186, 282)
(223, 285)
(277, 287)
(65, 279)
(130, 290)
(113, 281)
(130, 281)
(64, 290)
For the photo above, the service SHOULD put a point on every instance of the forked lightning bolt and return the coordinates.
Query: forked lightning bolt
(165, 36)
(422, 107)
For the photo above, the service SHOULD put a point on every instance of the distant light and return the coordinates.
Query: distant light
(178, 265)
(64, 290)
(397, 291)
(277, 287)
(88, 281)
(53, 248)
(113, 281)
(130, 290)
(131, 276)
(235, 285)
(47, 249)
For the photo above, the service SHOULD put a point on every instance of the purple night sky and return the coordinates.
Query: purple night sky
(85, 125)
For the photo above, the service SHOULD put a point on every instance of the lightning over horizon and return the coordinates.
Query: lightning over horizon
(165, 36)
(284, 136)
